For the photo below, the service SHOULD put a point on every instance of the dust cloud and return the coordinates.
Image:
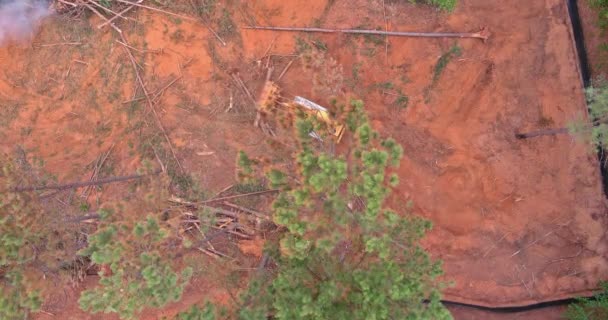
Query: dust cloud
(18, 18)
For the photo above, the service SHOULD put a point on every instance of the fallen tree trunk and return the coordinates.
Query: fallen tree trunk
(483, 34)
(73, 185)
(546, 132)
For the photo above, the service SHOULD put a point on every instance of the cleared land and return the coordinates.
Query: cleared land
(516, 222)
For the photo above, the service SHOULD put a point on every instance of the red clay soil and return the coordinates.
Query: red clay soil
(515, 222)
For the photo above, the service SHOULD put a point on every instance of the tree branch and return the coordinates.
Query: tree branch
(74, 185)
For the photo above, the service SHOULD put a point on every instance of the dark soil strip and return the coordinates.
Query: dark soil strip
(509, 310)
(579, 40)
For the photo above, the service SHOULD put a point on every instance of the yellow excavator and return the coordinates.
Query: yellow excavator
(269, 100)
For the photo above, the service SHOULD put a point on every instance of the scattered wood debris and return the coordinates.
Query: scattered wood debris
(225, 217)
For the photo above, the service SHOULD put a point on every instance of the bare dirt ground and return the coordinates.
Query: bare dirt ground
(515, 222)
(509, 229)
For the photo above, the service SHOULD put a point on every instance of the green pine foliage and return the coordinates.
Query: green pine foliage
(17, 237)
(595, 308)
(17, 301)
(209, 312)
(244, 166)
(442, 63)
(15, 229)
(345, 255)
(447, 5)
(141, 274)
(602, 11)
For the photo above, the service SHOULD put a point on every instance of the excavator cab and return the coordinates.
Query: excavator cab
(270, 99)
(321, 113)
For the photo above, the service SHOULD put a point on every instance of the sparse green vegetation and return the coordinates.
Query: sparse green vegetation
(103, 129)
(442, 63)
(139, 272)
(205, 8)
(327, 73)
(374, 39)
(447, 5)
(400, 100)
(602, 11)
(455, 51)
(319, 44)
(226, 28)
(595, 130)
(601, 6)
(319, 22)
(302, 46)
(209, 312)
(355, 79)
(595, 308)
(9, 111)
(92, 99)
(17, 300)
(17, 228)
(178, 35)
(218, 60)
(305, 46)
(30, 235)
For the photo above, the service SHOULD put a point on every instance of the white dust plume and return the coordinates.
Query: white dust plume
(18, 18)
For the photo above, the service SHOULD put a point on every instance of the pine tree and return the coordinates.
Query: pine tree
(18, 234)
(345, 255)
(595, 308)
(140, 272)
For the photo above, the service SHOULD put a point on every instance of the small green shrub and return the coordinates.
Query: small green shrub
(601, 6)
(18, 234)
(17, 301)
(205, 8)
(227, 27)
(245, 168)
(455, 51)
(595, 130)
(400, 101)
(209, 312)
(447, 5)
(595, 308)
(140, 270)
(602, 11)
